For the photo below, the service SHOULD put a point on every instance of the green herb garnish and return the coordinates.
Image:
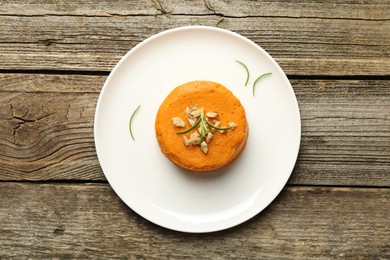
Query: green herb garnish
(260, 77)
(203, 122)
(246, 69)
(131, 121)
(216, 127)
(190, 129)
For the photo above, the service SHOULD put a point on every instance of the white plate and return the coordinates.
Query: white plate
(153, 186)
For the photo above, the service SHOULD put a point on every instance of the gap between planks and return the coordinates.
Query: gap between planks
(105, 183)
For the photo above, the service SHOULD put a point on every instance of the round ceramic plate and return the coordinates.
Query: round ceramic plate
(153, 186)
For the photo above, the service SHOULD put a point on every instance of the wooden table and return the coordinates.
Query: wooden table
(54, 199)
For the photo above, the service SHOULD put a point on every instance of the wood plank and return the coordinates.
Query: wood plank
(48, 134)
(89, 221)
(302, 46)
(367, 10)
(345, 132)
(55, 83)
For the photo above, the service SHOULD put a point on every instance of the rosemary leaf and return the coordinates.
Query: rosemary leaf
(131, 121)
(202, 126)
(246, 69)
(203, 130)
(216, 127)
(260, 77)
(190, 129)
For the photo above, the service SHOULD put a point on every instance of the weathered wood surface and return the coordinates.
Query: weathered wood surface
(90, 221)
(330, 39)
(55, 57)
(363, 10)
(46, 129)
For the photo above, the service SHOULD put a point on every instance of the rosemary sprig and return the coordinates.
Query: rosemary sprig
(260, 77)
(246, 69)
(218, 128)
(131, 121)
(203, 129)
(190, 129)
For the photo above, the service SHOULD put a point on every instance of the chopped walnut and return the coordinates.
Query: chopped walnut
(212, 114)
(190, 109)
(204, 147)
(195, 138)
(203, 134)
(186, 141)
(209, 137)
(177, 121)
(232, 125)
(191, 121)
(196, 113)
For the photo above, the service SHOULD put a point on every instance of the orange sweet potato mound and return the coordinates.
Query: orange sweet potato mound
(224, 148)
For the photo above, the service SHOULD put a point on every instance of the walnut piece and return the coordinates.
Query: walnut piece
(177, 121)
(204, 134)
(232, 125)
(194, 138)
(204, 147)
(212, 114)
(196, 113)
(191, 121)
(209, 137)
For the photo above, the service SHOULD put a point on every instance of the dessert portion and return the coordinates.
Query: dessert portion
(201, 126)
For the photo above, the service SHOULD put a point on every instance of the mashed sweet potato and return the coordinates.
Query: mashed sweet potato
(224, 147)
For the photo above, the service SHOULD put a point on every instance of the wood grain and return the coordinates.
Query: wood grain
(48, 136)
(55, 202)
(345, 132)
(89, 221)
(302, 46)
(50, 83)
(365, 10)
(46, 130)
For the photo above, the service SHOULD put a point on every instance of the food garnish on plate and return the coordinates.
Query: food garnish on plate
(201, 126)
